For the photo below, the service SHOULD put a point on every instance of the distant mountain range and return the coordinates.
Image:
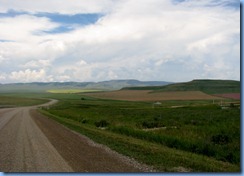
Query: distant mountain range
(104, 85)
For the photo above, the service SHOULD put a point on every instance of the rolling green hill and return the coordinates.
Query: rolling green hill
(204, 85)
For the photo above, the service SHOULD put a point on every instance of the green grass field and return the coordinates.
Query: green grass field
(198, 137)
(13, 100)
(63, 91)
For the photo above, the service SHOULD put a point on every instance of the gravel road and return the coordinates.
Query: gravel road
(31, 142)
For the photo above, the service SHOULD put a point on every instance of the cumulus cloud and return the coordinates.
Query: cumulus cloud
(2, 78)
(28, 75)
(57, 6)
(24, 28)
(150, 40)
(37, 64)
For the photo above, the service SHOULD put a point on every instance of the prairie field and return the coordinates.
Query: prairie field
(8, 100)
(197, 136)
(147, 95)
(71, 90)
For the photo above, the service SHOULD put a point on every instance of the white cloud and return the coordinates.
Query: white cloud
(210, 3)
(1, 58)
(24, 28)
(2, 78)
(28, 75)
(147, 40)
(36, 64)
(57, 6)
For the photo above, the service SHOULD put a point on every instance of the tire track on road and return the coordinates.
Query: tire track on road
(23, 146)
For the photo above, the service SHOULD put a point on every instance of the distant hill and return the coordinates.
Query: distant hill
(38, 86)
(204, 85)
(118, 84)
(104, 85)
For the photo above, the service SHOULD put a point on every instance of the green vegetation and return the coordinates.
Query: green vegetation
(71, 90)
(199, 136)
(11, 100)
(207, 86)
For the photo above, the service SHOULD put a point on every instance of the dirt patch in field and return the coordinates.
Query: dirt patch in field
(147, 95)
(235, 96)
(181, 169)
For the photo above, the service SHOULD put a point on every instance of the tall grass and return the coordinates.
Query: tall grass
(196, 146)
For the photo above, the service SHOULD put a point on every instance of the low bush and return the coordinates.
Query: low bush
(101, 123)
(220, 139)
(84, 121)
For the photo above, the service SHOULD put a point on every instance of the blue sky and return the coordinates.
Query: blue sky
(69, 22)
(96, 40)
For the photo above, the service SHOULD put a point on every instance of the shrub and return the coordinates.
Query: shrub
(151, 124)
(101, 123)
(84, 121)
(220, 139)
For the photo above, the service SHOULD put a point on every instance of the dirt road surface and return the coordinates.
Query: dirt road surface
(31, 142)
